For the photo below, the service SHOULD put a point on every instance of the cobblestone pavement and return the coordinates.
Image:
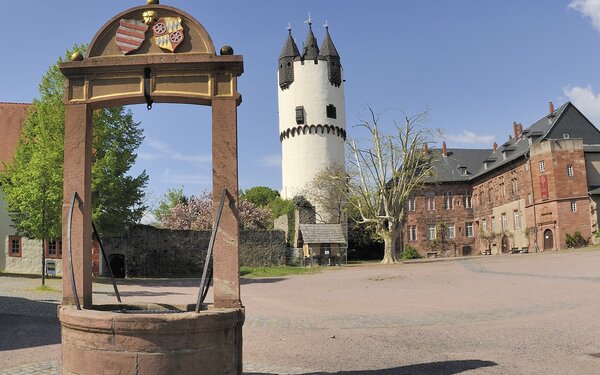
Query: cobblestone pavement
(513, 314)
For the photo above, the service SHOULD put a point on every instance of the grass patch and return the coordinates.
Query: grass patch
(44, 289)
(254, 272)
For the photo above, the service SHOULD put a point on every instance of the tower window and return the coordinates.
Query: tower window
(300, 115)
(331, 111)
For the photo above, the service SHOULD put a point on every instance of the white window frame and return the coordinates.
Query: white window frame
(431, 232)
(573, 206)
(469, 229)
(517, 219)
(412, 233)
(566, 135)
(504, 221)
(451, 231)
(542, 166)
(493, 224)
(484, 225)
(468, 199)
(449, 200)
(430, 198)
(570, 171)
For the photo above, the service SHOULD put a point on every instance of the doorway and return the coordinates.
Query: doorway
(505, 244)
(548, 240)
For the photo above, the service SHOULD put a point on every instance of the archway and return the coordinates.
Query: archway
(548, 239)
(117, 265)
(152, 54)
(505, 244)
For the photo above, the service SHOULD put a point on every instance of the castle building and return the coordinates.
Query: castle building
(312, 116)
(529, 194)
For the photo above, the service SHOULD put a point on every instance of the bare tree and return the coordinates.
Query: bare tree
(329, 192)
(385, 172)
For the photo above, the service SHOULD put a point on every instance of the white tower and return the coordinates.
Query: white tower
(312, 115)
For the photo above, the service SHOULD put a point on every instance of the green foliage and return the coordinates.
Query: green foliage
(301, 201)
(259, 195)
(284, 207)
(170, 199)
(33, 180)
(575, 240)
(410, 253)
(254, 272)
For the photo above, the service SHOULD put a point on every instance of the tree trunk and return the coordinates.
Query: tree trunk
(43, 264)
(389, 253)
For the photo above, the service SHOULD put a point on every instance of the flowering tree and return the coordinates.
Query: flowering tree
(197, 214)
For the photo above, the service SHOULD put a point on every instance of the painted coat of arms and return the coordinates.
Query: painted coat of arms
(130, 35)
(168, 33)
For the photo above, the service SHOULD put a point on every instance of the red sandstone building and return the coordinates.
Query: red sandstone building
(524, 195)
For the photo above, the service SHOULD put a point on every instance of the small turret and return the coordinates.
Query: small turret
(329, 53)
(310, 50)
(286, 61)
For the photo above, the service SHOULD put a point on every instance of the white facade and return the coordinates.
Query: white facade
(306, 154)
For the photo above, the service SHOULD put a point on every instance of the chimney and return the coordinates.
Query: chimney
(425, 147)
(495, 146)
(551, 108)
(520, 129)
(516, 130)
(444, 151)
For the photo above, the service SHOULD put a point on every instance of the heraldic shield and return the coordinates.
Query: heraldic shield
(130, 35)
(168, 33)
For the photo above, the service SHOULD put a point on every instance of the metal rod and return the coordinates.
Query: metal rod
(71, 271)
(112, 276)
(203, 283)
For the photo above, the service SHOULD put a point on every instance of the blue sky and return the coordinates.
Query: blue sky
(477, 65)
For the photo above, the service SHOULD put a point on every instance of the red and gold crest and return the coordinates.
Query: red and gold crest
(130, 35)
(168, 33)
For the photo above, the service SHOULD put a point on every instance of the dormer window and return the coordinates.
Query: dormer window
(463, 170)
(331, 111)
(300, 115)
(566, 136)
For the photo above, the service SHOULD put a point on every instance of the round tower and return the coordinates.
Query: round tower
(312, 114)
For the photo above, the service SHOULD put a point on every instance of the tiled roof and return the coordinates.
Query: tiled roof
(567, 120)
(322, 233)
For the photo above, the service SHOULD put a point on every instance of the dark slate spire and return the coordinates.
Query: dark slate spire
(286, 61)
(290, 49)
(329, 53)
(310, 49)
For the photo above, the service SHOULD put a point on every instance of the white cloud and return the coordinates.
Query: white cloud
(471, 138)
(589, 9)
(166, 151)
(272, 160)
(585, 100)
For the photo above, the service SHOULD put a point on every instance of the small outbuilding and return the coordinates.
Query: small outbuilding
(322, 244)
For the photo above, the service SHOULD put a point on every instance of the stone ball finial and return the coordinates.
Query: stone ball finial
(226, 50)
(152, 2)
(77, 56)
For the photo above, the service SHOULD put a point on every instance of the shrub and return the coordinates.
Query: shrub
(410, 253)
(575, 240)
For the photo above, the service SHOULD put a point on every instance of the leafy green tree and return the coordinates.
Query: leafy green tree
(259, 195)
(33, 181)
(167, 201)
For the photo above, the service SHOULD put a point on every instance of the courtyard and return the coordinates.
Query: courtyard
(512, 314)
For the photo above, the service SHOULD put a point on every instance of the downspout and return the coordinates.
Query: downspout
(535, 240)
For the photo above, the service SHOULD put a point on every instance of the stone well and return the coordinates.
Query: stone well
(151, 339)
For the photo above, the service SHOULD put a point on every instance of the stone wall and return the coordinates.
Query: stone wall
(154, 252)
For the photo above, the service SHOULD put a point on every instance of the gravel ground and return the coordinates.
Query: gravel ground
(511, 314)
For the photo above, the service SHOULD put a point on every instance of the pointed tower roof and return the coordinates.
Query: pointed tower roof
(310, 49)
(290, 49)
(328, 48)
